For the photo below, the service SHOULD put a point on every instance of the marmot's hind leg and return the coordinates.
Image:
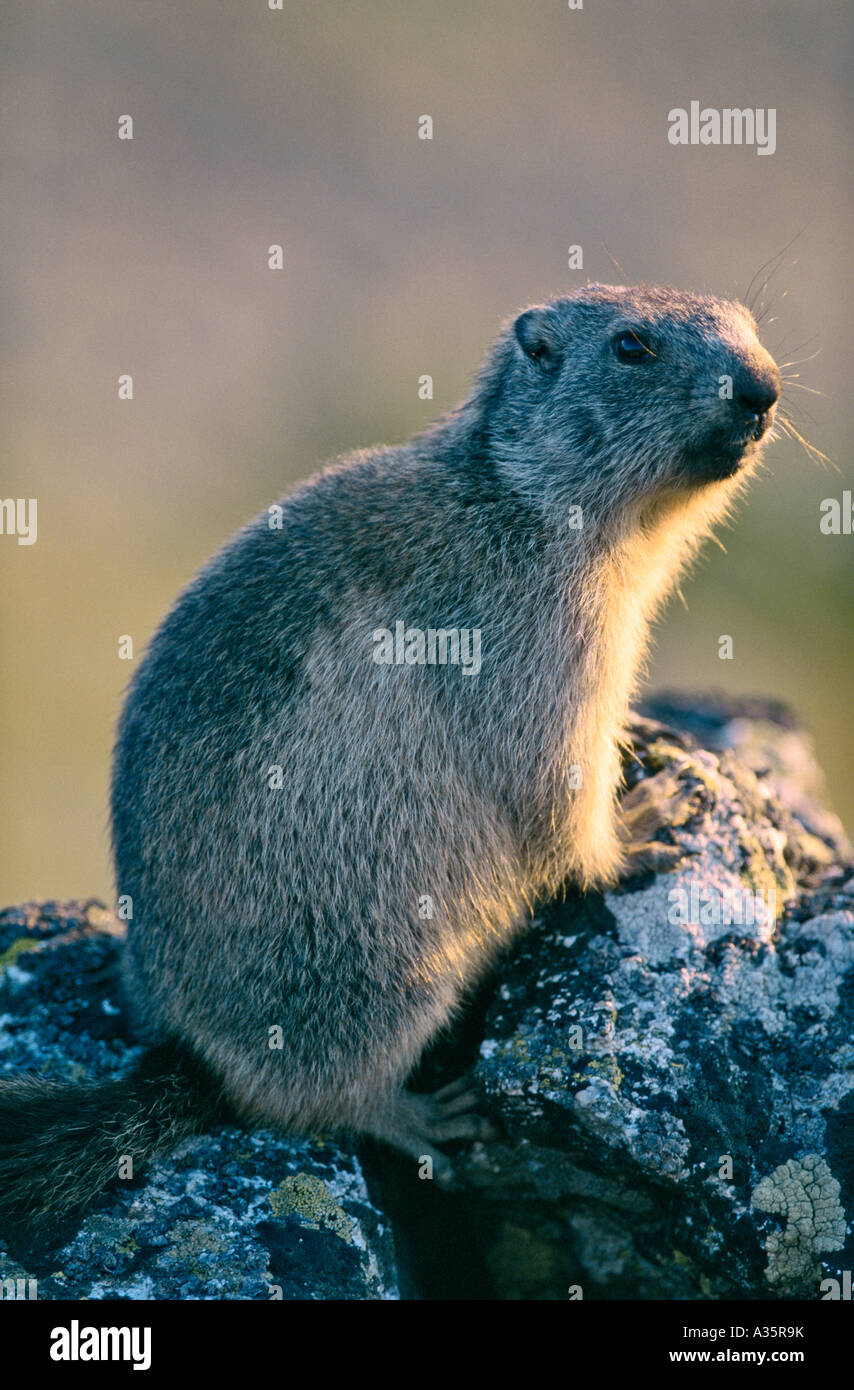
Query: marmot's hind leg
(413, 1124)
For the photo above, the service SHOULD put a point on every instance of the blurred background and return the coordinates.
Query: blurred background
(401, 257)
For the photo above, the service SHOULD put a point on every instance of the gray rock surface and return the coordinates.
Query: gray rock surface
(227, 1215)
(672, 1063)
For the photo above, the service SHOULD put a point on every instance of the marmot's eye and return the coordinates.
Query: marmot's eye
(630, 348)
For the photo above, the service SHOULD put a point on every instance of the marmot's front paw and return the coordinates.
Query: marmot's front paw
(414, 1124)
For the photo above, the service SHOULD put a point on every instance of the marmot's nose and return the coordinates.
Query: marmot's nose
(757, 387)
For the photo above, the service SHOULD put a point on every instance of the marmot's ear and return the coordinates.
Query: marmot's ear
(536, 336)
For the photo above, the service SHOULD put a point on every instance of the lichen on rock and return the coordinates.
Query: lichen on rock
(716, 1043)
(806, 1194)
(227, 1215)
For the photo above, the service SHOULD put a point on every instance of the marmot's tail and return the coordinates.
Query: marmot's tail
(63, 1143)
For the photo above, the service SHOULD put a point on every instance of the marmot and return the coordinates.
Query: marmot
(383, 722)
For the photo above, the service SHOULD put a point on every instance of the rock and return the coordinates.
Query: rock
(672, 1063)
(226, 1215)
(670, 1067)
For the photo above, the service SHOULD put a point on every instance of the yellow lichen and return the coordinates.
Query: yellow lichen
(191, 1239)
(310, 1198)
(17, 948)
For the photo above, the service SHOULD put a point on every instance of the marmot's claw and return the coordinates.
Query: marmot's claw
(453, 1088)
(415, 1123)
(451, 1113)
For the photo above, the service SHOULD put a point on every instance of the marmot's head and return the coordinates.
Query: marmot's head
(618, 393)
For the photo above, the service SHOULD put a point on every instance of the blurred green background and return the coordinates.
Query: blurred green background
(402, 257)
